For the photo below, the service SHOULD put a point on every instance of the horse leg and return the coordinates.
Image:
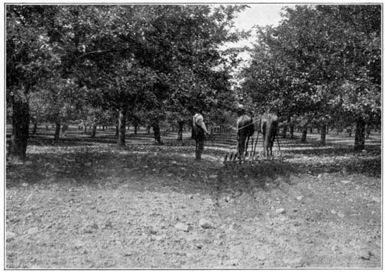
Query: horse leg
(266, 147)
(247, 144)
(241, 149)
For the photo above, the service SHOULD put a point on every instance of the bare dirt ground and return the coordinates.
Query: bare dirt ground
(86, 204)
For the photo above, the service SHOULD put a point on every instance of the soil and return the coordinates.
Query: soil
(91, 205)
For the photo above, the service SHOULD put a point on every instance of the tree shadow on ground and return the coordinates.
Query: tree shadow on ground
(84, 160)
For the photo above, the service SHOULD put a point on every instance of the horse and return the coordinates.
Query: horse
(269, 127)
(245, 127)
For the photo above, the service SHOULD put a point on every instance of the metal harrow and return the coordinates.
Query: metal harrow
(253, 156)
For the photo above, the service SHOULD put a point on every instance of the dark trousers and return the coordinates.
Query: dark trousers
(199, 146)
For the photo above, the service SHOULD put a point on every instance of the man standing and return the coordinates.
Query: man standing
(199, 128)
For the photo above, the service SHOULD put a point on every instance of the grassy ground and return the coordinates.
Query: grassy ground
(82, 203)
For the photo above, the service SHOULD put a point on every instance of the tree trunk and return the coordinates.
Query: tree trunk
(156, 129)
(93, 132)
(304, 134)
(180, 130)
(368, 130)
(292, 131)
(57, 132)
(323, 134)
(34, 130)
(20, 127)
(136, 129)
(122, 127)
(284, 131)
(359, 141)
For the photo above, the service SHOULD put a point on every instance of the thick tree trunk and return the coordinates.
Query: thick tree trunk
(122, 127)
(304, 134)
(359, 141)
(57, 132)
(180, 130)
(156, 129)
(20, 125)
(323, 134)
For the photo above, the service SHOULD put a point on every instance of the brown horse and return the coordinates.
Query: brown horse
(245, 127)
(269, 127)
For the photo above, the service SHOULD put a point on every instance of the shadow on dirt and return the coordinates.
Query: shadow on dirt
(84, 160)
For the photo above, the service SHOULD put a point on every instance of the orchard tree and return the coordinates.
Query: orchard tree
(320, 60)
(56, 103)
(119, 54)
(30, 60)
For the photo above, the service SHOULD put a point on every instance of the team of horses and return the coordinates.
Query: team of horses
(246, 127)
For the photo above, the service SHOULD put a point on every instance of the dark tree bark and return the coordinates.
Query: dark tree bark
(156, 129)
(359, 141)
(180, 130)
(292, 131)
(323, 134)
(284, 131)
(304, 134)
(34, 130)
(20, 126)
(57, 132)
(122, 127)
(136, 126)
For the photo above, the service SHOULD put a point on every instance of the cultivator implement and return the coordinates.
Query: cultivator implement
(253, 156)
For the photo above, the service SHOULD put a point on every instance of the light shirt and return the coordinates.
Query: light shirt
(198, 120)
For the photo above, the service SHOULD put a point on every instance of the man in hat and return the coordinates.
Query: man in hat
(200, 130)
